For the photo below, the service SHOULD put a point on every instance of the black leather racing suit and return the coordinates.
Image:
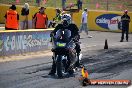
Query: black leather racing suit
(74, 34)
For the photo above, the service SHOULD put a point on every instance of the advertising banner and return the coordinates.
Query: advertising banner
(106, 20)
(21, 42)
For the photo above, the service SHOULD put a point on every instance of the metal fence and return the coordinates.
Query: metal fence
(111, 5)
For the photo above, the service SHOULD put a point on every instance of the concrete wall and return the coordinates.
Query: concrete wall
(106, 20)
(22, 41)
(33, 9)
(102, 20)
(97, 20)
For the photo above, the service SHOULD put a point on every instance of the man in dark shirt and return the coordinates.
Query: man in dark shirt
(25, 13)
(79, 4)
(125, 19)
(67, 25)
(71, 27)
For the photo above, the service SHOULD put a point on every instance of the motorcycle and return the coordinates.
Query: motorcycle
(65, 55)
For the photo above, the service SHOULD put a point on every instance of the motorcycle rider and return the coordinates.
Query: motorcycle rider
(67, 25)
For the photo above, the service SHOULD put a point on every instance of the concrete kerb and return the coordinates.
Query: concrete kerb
(27, 55)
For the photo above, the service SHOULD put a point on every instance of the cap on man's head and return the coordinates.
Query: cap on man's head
(85, 9)
(42, 8)
(13, 7)
(125, 11)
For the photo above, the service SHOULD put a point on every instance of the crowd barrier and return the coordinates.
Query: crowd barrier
(102, 20)
(33, 9)
(97, 20)
(22, 41)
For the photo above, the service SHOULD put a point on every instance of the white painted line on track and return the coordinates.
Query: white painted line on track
(130, 86)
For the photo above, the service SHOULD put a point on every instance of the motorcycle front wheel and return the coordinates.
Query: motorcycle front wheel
(59, 66)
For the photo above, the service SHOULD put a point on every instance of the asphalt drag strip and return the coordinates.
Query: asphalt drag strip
(107, 58)
(102, 64)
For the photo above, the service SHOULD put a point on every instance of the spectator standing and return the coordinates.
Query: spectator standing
(79, 4)
(56, 19)
(12, 19)
(84, 22)
(58, 15)
(63, 4)
(25, 13)
(125, 20)
(40, 19)
(38, 2)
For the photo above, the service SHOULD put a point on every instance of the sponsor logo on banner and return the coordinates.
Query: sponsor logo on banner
(24, 41)
(108, 21)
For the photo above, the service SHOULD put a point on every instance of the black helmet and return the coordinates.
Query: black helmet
(13, 7)
(66, 18)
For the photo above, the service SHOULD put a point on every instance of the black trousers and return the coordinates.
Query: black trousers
(123, 32)
(53, 69)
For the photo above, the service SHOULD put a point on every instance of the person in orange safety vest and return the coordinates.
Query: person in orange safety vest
(12, 19)
(40, 19)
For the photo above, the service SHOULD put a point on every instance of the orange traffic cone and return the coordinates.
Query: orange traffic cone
(106, 44)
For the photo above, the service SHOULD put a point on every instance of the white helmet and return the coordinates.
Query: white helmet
(66, 18)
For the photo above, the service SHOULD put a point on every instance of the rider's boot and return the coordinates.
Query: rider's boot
(53, 69)
(78, 64)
